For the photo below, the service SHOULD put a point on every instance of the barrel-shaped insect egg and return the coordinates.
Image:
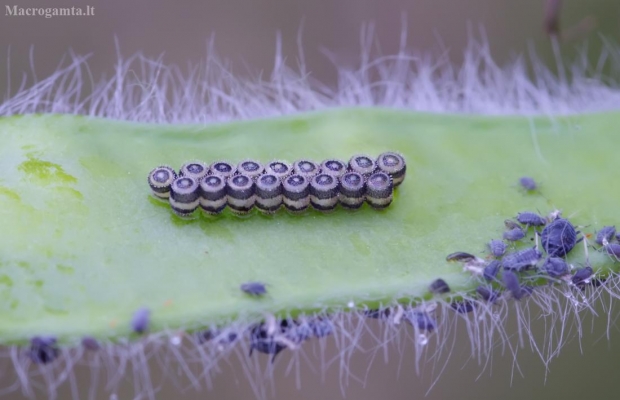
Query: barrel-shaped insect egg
(279, 168)
(160, 179)
(195, 169)
(352, 190)
(184, 196)
(213, 194)
(250, 168)
(394, 165)
(268, 193)
(379, 190)
(362, 164)
(306, 168)
(240, 191)
(333, 167)
(296, 193)
(324, 192)
(222, 168)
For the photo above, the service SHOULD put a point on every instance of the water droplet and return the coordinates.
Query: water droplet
(422, 340)
(175, 340)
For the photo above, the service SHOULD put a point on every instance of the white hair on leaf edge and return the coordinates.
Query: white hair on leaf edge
(145, 90)
(506, 327)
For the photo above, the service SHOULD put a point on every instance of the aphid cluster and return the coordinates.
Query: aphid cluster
(273, 336)
(610, 240)
(506, 274)
(268, 187)
(421, 317)
(555, 238)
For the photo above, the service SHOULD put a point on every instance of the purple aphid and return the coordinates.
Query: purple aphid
(221, 337)
(491, 270)
(321, 327)
(421, 320)
(261, 341)
(141, 320)
(528, 183)
(439, 286)
(606, 234)
(289, 333)
(555, 267)
(531, 219)
(90, 343)
(497, 247)
(582, 276)
(376, 313)
(254, 288)
(559, 237)
(295, 331)
(613, 249)
(487, 294)
(527, 290)
(521, 260)
(463, 306)
(470, 262)
(514, 234)
(43, 349)
(461, 257)
(230, 337)
(511, 282)
(510, 224)
(205, 336)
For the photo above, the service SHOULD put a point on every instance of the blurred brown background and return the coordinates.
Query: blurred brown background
(245, 32)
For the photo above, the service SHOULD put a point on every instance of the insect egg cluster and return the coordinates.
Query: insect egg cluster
(268, 187)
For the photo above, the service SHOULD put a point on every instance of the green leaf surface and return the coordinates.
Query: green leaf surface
(84, 244)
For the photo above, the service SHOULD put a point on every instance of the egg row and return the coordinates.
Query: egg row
(278, 183)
